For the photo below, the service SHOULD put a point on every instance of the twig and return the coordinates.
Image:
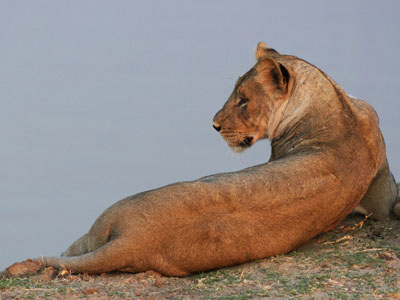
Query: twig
(355, 226)
(372, 249)
(342, 239)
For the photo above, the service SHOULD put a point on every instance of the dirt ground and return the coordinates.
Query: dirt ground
(358, 260)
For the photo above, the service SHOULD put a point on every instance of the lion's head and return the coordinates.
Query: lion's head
(257, 102)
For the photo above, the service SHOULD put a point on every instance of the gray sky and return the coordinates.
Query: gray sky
(104, 99)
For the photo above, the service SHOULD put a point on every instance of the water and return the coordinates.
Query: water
(100, 99)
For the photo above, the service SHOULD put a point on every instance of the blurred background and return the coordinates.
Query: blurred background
(104, 99)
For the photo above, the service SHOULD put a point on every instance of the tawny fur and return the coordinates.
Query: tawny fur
(327, 155)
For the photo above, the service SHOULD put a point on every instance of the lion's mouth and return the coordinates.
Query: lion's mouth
(237, 146)
(246, 142)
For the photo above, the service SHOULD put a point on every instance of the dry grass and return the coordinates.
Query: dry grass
(358, 260)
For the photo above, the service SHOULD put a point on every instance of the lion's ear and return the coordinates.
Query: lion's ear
(284, 77)
(273, 75)
(263, 51)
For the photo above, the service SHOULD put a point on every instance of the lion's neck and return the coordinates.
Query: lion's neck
(312, 99)
(292, 140)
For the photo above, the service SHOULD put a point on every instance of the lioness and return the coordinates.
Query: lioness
(328, 154)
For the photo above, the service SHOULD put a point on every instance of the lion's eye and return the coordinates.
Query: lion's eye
(243, 102)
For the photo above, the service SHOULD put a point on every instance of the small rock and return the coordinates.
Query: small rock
(386, 255)
(158, 282)
(85, 277)
(90, 291)
(152, 273)
(140, 276)
(47, 274)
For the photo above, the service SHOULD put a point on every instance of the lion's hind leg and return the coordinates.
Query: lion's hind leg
(87, 243)
(79, 247)
(396, 208)
(99, 234)
(381, 196)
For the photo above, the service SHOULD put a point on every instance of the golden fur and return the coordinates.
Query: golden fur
(327, 155)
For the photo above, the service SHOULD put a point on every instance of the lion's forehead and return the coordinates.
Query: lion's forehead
(245, 77)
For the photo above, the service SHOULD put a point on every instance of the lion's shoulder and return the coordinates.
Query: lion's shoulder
(364, 109)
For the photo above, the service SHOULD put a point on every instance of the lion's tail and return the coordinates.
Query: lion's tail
(106, 258)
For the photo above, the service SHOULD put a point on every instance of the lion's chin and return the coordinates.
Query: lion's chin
(245, 144)
(238, 149)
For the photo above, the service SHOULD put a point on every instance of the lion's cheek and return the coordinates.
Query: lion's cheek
(261, 132)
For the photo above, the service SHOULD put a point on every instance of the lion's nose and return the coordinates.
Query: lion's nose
(216, 126)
